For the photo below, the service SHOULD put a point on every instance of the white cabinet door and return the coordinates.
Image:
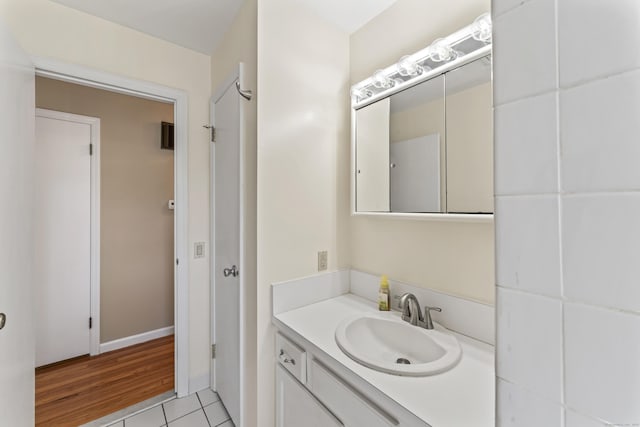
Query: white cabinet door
(17, 95)
(296, 407)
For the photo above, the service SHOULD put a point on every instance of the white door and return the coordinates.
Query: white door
(415, 174)
(17, 94)
(63, 236)
(227, 309)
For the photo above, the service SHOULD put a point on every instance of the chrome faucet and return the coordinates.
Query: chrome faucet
(411, 311)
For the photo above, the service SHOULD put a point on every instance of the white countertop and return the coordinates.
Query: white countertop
(461, 397)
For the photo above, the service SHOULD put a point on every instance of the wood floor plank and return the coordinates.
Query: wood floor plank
(74, 392)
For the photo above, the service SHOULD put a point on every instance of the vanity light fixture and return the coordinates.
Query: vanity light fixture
(408, 67)
(470, 42)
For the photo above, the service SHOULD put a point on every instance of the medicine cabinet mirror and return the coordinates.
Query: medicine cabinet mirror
(423, 143)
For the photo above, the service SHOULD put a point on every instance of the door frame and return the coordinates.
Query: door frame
(94, 233)
(237, 75)
(86, 76)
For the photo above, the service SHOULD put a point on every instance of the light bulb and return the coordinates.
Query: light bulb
(381, 81)
(409, 67)
(441, 51)
(482, 28)
(360, 93)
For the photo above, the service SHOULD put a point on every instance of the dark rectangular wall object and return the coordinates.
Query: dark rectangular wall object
(167, 136)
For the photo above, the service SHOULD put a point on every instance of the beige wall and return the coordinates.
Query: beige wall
(470, 150)
(303, 146)
(136, 228)
(48, 29)
(456, 258)
(240, 44)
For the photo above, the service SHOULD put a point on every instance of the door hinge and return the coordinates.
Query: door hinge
(212, 129)
(90, 322)
(213, 351)
(177, 261)
(91, 149)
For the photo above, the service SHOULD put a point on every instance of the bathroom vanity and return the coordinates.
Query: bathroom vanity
(317, 384)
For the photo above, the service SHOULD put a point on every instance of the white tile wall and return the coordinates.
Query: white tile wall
(599, 132)
(526, 36)
(603, 363)
(540, 347)
(526, 154)
(593, 317)
(516, 407)
(597, 38)
(501, 6)
(529, 256)
(601, 249)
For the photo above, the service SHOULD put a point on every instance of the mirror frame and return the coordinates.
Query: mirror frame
(357, 104)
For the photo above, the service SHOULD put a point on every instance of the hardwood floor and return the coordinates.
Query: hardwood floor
(76, 391)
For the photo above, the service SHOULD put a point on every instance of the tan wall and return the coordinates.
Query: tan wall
(136, 228)
(240, 44)
(48, 29)
(303, 152)
(470, 150)
(457, 258)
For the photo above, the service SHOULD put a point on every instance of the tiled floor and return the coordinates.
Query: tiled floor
(203, 409)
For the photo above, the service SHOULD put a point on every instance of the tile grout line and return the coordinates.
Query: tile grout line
(202, 408)
(164, 414)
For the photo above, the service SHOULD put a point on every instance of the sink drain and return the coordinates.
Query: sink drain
(403, 361)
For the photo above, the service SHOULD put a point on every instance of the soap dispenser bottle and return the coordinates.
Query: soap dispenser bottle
(384, 302)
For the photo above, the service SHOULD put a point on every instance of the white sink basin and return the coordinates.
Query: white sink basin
(385, 342)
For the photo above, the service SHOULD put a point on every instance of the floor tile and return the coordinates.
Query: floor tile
(216, 413)
(118, 424)
(227, 423)
(208, 396)
(177, 408)
(153, 417)
(194, 419)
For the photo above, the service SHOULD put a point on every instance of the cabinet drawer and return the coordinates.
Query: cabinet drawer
(346, 402)
(292, 357)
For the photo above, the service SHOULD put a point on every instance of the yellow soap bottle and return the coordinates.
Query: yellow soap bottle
(384, 302)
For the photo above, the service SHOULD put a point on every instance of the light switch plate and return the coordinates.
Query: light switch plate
(198, 250)
(322, 260)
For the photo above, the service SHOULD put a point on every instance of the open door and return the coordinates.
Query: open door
(227, 265)
(17, 343)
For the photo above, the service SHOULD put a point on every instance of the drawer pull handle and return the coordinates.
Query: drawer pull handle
(285, 358)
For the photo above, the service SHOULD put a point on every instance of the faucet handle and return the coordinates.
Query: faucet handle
(428, 322)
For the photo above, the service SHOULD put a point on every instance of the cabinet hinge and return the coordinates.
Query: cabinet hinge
(90, 322)
(213, 351)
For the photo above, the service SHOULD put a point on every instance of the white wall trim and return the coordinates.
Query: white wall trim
(136, 339)
(94, 262)
(112, 82)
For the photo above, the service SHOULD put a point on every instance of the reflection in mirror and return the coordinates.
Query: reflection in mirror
(417, 171)
(469, 124)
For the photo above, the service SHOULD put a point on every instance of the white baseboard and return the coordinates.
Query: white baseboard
(135, 339)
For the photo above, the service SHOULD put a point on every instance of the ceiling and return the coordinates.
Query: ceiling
(200, 24)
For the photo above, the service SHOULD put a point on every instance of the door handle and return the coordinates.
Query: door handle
(3, 320)
(233, 271)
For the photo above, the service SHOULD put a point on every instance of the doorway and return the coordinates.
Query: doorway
(176, 257)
